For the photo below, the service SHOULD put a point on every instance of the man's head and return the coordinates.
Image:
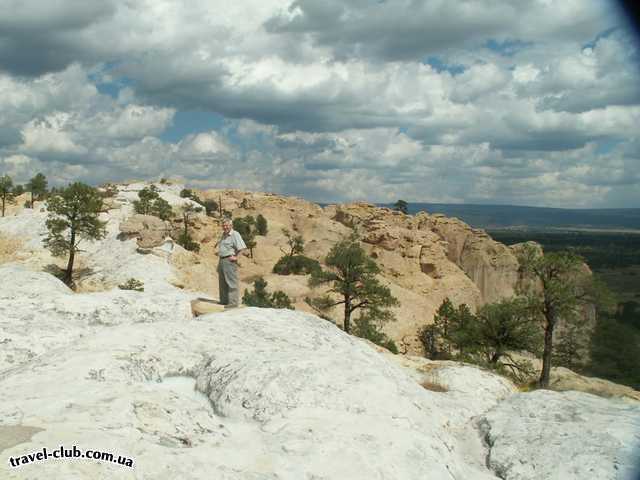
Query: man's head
(227, 225)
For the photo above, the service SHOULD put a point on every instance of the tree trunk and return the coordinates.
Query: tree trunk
(3, 206)
(347, 314)
(72, 252)
(546, 355)
(31, 200)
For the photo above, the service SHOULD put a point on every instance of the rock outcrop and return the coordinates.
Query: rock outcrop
(149, 231)
(424, 258)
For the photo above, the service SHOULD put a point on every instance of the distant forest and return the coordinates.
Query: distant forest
(601, 250)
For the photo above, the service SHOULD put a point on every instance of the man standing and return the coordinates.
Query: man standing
(229, 247)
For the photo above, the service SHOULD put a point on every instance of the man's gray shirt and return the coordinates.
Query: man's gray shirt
(231, 244)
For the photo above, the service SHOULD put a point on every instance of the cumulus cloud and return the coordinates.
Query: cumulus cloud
(494, 101)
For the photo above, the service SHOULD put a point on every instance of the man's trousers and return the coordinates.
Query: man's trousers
(228, 282)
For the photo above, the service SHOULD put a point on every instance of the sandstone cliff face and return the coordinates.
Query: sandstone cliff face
(491, 266)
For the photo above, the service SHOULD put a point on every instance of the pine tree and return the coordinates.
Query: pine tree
(352, 278)
(73, 217)
(38, 187)
(565, 287)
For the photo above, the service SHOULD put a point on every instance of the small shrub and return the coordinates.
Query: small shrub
(261, 225)
(132, 284)
(210, 206)
(296, 265)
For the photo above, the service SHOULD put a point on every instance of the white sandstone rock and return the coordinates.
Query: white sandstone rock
(547, 435)
(286, 394)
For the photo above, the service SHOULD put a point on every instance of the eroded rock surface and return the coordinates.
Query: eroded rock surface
(568, 435)
(251, 393)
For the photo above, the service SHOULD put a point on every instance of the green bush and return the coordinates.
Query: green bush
(296, 265)
(190, 194)
(186, 242)
(260, 297)
(161, 209)
(366, 328)
(261, 225)
(210, 206)
(150, 203)
(246, 228)
(132, 284)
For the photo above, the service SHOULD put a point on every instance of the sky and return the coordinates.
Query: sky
(525, 102)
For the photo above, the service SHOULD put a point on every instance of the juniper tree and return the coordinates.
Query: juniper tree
(73, 217)
(351, 276)
(6, 191)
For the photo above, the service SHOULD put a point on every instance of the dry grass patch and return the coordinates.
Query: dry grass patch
(9, 246)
